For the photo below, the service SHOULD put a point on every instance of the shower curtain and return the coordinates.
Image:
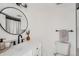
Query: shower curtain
(13, 26)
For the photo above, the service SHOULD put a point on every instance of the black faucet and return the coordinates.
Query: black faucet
(19, 38)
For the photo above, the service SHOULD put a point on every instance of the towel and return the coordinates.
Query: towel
(63, 35)
(62, 48)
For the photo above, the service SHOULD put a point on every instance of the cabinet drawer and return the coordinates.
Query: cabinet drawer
(37, 51)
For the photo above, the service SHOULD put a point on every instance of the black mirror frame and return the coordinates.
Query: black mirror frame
(22, 13)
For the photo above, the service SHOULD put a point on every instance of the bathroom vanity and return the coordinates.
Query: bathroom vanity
(14, 22)
(23, 49)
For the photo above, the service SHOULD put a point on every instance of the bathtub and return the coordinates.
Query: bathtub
(22, 49)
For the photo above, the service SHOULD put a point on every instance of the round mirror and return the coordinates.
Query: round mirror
(13, 20)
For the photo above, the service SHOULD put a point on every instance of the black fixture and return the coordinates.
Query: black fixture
(18, 4)
(77, 6)
(22, 40)
(19, 38)
(1, 40)
(14, 42)
(68, 30)
(22, 4)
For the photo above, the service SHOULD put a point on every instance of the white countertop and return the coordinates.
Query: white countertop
(22, 49)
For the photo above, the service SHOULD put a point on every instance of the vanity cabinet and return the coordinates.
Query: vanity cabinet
(37, 51)
(23, 49)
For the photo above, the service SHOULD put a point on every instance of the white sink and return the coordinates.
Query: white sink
(22, 49)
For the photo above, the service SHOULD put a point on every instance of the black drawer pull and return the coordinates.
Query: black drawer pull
(37, 48)
(37, 55)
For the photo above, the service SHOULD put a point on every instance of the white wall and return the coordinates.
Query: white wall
(44, 19)
(77, 28)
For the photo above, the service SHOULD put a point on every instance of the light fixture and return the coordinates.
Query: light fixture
(59, 3)
(77, 6)
(22, 4)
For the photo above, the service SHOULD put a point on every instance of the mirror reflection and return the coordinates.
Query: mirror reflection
(13, 20)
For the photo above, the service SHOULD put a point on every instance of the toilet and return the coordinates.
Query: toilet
(62, 48)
